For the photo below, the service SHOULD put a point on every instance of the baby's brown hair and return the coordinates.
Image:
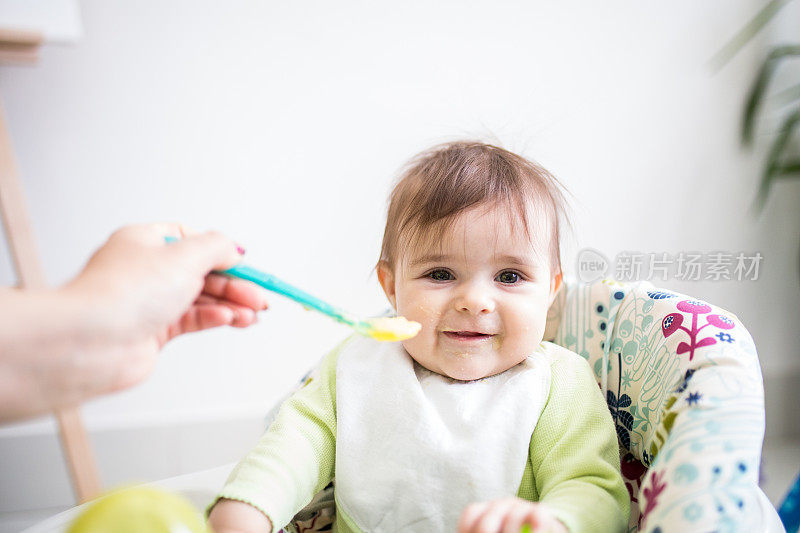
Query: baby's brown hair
(440, 183)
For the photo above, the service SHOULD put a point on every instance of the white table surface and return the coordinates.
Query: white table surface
(198, 487)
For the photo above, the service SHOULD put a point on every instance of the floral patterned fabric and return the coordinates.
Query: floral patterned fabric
(682, 381)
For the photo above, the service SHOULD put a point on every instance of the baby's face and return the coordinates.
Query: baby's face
(482, 298)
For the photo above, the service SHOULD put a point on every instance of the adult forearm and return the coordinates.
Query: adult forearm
(58, 349)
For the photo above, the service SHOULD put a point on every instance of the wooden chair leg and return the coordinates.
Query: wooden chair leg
(79, 454)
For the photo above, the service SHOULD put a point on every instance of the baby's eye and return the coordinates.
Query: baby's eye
(440, 275)
(507, 276)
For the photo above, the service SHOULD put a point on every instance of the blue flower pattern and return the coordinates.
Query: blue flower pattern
(724, 337)
(693, 398)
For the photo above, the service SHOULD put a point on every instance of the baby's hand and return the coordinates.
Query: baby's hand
(230, 516)
(508, 515)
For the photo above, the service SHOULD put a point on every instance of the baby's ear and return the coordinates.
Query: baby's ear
(555, 284)
(386, 279)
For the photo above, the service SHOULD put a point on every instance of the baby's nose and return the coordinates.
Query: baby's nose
(475, 301)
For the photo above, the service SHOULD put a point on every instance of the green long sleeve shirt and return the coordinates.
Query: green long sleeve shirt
(573, 462)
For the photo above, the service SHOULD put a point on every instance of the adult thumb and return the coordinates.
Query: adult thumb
(210, 250)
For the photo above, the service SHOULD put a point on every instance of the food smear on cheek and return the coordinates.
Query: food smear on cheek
(425, 309)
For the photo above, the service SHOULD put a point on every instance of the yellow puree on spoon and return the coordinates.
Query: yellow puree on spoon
(390, 328)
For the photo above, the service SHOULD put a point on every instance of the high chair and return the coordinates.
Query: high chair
(683, 384)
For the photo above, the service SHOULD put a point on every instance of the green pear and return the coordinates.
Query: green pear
(139, 510)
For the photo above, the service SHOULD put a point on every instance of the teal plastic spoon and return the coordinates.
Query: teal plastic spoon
(381, 328)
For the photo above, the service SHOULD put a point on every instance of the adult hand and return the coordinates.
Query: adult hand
(102, 331)
(163, 290)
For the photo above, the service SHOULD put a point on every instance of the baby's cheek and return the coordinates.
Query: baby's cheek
(419, 310)
(530, 323)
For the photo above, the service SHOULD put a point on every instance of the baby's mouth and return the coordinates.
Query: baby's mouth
(467, 335)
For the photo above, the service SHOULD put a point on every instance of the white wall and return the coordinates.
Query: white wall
(283, 124)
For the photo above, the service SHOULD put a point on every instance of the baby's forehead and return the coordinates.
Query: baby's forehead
(489, 231)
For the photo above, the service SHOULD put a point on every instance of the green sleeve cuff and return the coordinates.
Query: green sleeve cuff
(574, 451)
(294, 459)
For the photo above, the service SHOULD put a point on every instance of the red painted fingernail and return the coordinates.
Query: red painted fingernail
(240, 250)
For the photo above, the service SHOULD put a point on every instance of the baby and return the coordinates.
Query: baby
(475, 424)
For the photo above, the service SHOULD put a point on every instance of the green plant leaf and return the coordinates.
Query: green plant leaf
(774, 165)
(790, 169)
(756, 95)
(744, 35)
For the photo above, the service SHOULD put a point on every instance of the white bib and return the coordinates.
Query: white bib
(413, 448)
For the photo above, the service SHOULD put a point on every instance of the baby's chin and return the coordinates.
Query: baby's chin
(468, 370)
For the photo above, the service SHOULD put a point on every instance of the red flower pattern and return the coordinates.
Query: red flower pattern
(651, 495)
(674, 321)
(720, 321)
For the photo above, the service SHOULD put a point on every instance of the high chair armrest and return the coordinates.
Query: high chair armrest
(683, 384)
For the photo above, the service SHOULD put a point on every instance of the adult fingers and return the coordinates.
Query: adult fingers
(200, 317)
(242, 316)
(237, 291)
